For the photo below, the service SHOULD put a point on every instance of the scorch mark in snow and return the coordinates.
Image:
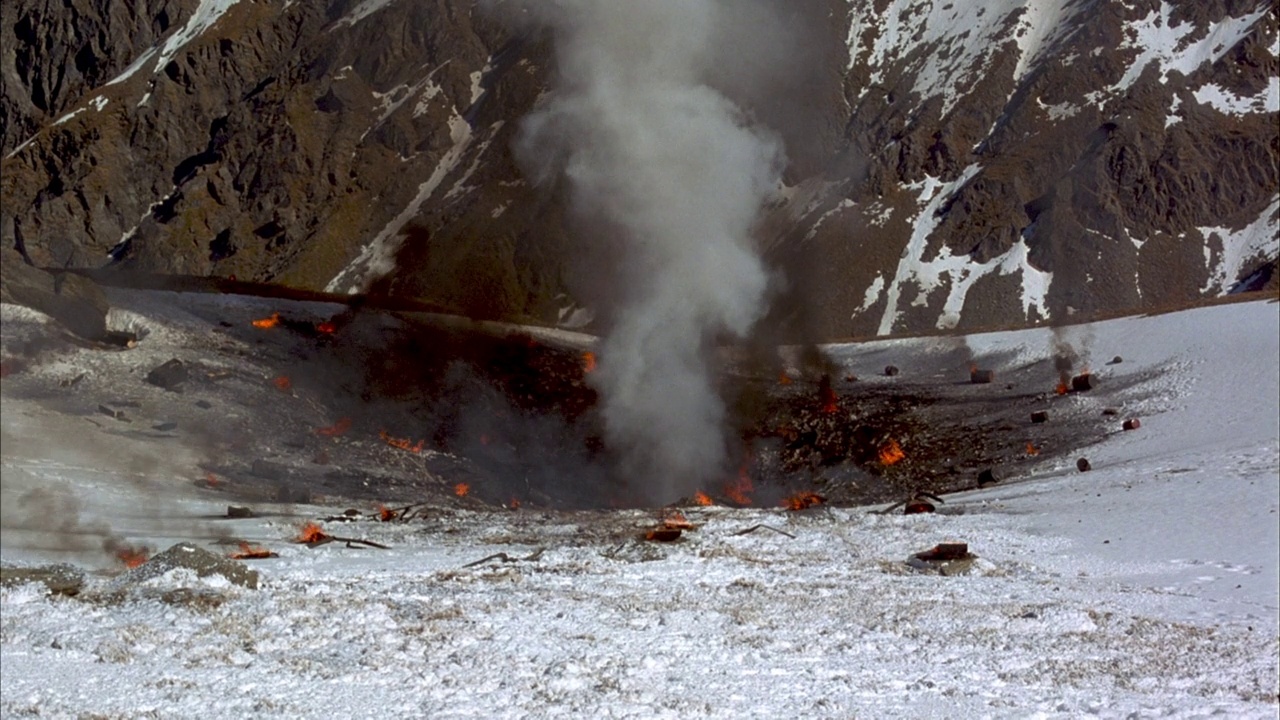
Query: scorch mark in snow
(1260, 238)
(960, 270)
(377, 258)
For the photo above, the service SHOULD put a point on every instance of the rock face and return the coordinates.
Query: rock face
(951, 164)
(74, 301)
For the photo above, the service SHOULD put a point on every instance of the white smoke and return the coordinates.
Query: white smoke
(672, 174)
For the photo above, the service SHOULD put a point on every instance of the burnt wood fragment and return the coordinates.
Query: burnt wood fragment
(1040, 416)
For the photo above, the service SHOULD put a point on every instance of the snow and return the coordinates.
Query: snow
(841, 206)
(69, 115)
(960, 271)
(360, 12)
(1174, 118)
(948, 45)
(1146, 588)
(1226, 102)
(1260, 238)
(205, 17)
(377, 258)
(1172, 48)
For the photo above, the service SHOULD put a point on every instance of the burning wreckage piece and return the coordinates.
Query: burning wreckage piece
(313, 537)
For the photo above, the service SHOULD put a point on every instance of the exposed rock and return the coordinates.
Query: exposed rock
(61, 579)
(191, 557)
(74, 301)
(303, 143)
(170, 376)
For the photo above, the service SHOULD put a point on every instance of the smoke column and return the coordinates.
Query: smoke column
(670, 174)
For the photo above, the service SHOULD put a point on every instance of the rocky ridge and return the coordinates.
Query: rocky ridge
(951, 165)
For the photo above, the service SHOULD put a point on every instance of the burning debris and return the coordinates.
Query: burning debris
(337, 429)
(282, 383)
(267, 323)
(803, 501)
(251, 552)
(891, 453)
(402, 443)
(313, 536)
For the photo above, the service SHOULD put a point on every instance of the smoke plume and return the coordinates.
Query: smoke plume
(667, 175)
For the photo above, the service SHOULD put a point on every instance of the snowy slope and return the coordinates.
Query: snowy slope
(1146, 588)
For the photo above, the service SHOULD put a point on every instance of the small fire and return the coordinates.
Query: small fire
(677, 521)
(461, 489)
(588, 361)
(386, 514)
(1032, 450)
(514, 504)
(703, 499)
(131, 556)
(311, 533)
(326, 327)
(891, 453)
(739, 491)
(336, 429)
(830, 401)
(267, 322)
(1061, 389)
(211, 480)
(783, 378)
(282, 382)
(402, 443)
(803, 501)
(250, 552)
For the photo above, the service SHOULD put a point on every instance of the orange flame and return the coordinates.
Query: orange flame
(783, 379)
(336, 429)
(386, 514)
(267, 322)
(891, 453)
(588, 361)
(803, 501)
(282, 382)
(461, 489)
(514, 504)
(830, 401)
(1032, 450)
(327, 327)
(249, 552)
(703, 499)
(1061, 389)
(310, 533)
(402, 443)
(739, 491)
(676, 520)
(131, 556)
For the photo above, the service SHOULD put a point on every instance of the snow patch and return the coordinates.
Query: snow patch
(1167, 46)
(1059, 111)
(205, 17)
(1260, 238)
(1227, 103)
(871, 296)
(69, 115)
(1173, 118)
(842, 205)
(377, 258)
(477, 78)
(360, 12)
(98, 103)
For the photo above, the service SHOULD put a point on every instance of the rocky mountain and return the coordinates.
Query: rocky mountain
(950, 164)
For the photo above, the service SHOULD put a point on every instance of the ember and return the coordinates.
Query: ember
(783, 379)
(588, 361)
(891, 453)
(249, 552)
(267, 322)
(1032, 450)
(461, 489)
(132, 557)
(336, 429)
(402, 443)
(386, 514)
(803, 501)
(311, 533)
(326, 327)
(830, 401)
(282, 382)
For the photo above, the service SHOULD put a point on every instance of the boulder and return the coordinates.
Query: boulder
(203, 562)
(74, 301)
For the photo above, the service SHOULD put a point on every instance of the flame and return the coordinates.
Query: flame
(131, 556)
(588, 361)
(1032, 450)
(402, 443)
(268, 322)
(211, 479)
(386, 514)
(783, 379)
(336, 429)
(739, 491)
(310, 533)
(327, 327)
(461, 489)
(514, 504)
(703, 499)
(1061, 389)
(282, 382)
(830, 401)
(249, 552)
(676, 520)
(803, 500)
(891, 453)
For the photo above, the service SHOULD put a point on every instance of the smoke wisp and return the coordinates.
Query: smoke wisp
(667, 174)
